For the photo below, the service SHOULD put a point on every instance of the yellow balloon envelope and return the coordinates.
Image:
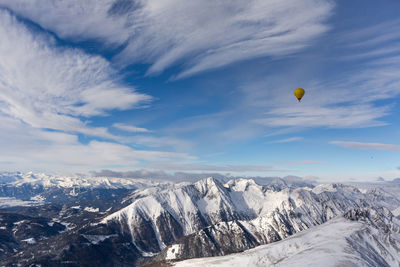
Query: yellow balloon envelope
(299, 93)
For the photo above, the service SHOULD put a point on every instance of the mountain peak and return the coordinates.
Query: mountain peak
(242, 184)
(210, 180)
(205, 184)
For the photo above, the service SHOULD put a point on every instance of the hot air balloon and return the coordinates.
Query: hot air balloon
(299, 93)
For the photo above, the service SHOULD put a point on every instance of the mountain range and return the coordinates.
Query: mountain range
(97, 221)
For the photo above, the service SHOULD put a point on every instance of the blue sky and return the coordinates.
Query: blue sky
(201, 87)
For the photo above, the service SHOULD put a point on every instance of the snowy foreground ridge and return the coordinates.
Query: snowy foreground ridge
(338, 242)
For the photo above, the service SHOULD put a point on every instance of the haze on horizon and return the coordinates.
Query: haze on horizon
(201, 87)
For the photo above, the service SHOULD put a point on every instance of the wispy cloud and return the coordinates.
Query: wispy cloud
(203, 34)
(35, 149)
(76, 19)
(288, 140)
(158, 175)
(369, 146)
(150, 139)
(130, 128)
(339, 96)
(56, 88)
(350, 116)
(216, 168)
(374, 35)
(48, 93)
(193, 177)
(300, 162)
(159, 142)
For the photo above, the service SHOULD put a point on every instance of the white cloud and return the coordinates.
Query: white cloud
(288, 140)
(300, 162)
(162, 142)
(212, 168)
(48, 93)
(375, 34)
(130, 128)
(34, 149)
(50, 87)
(203, 34)
(83, 20)
(357, 176)
(146, 137)
(209, 34)
(158, 175)
(351, 116)
(369, 146)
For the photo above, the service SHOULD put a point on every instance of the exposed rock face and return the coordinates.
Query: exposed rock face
(378, 243)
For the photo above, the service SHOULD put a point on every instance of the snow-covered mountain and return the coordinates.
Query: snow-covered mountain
(18, 179)
(39, 188)
(163, 223)
(208, 218)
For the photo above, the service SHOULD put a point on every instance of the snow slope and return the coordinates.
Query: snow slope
(338, 242)
(323, 245)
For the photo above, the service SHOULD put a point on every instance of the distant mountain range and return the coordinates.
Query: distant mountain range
(64, 221)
